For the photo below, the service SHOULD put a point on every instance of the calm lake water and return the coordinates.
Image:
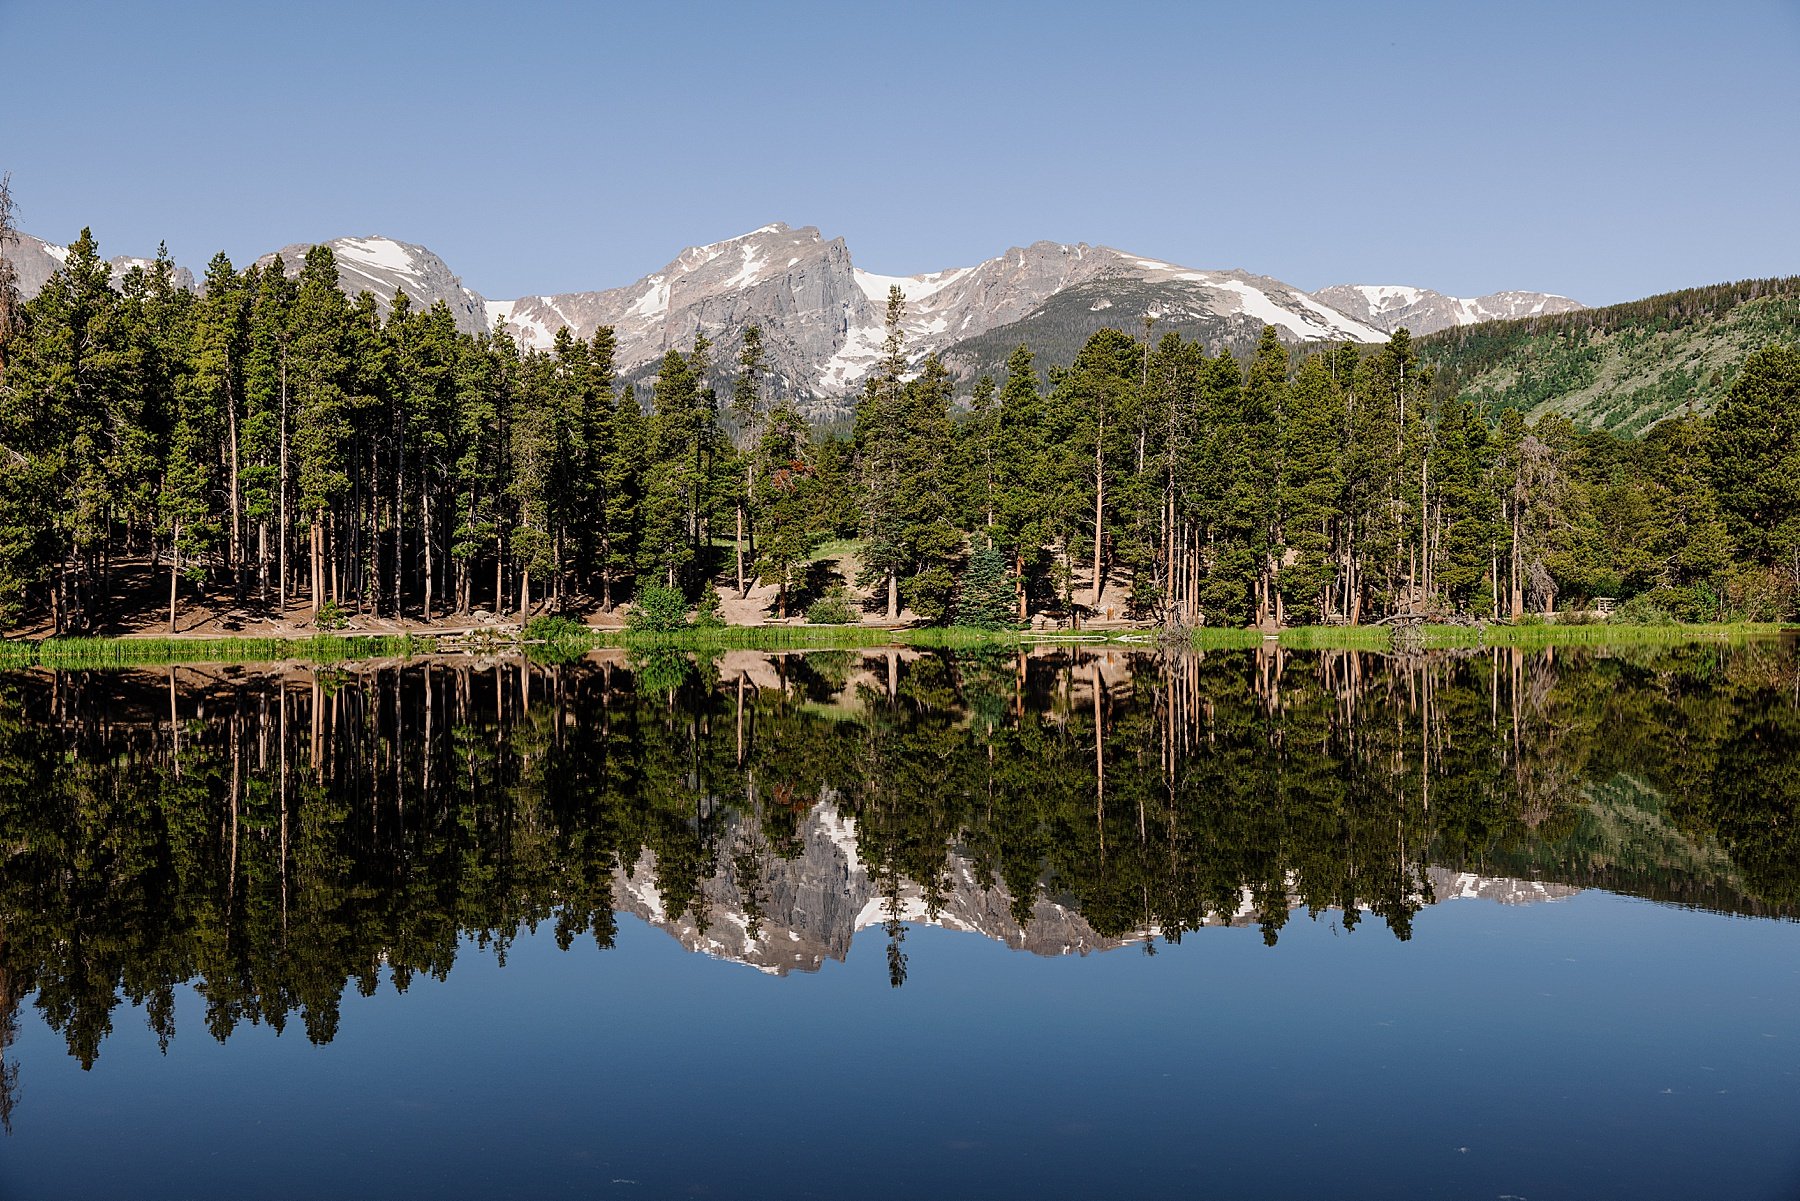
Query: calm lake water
(896, 925)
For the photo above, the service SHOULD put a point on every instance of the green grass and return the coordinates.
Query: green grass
(755, 638)
(1596, 634)
(1320, 638)
(1381, 638)
(835, 548)
(77, 653)
(84, 653)
(1226, 638)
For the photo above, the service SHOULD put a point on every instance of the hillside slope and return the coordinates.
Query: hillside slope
(1624, 367)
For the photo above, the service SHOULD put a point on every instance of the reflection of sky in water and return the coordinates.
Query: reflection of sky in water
(1601, 1047)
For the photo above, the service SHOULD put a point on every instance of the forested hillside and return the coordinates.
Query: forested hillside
(1624, 367)
(276, 442)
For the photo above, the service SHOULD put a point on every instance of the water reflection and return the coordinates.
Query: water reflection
(278, 836)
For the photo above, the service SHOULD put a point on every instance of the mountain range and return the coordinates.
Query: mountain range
(803, 909)
(823, 317)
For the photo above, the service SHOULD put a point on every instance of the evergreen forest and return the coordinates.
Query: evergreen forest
(273, 442)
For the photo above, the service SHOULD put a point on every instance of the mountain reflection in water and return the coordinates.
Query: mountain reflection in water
(276, 836)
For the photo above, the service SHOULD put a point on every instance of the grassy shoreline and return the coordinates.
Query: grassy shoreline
(78, 653)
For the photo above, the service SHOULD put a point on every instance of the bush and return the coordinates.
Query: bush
(1529, 619)
(555, 629)
(707, 616)
(1577, 617)
(330, 617)
(1754, 594)
(1640, 611)
(657, 610)
(835, 608)
(556, 639)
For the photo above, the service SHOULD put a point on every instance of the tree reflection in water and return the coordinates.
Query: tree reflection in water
(275, 836)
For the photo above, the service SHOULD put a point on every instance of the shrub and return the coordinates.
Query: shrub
(554, 629)
(1765, 594)
(1529, 619)
(1640, 611)
(556, 639)
(1577, 617)
(707, 616)
(835, 608)
(330, 617)
(657, 610)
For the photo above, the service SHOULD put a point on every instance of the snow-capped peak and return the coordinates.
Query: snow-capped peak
(1389, 307)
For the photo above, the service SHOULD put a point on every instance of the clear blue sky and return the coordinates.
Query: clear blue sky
(1603, 150)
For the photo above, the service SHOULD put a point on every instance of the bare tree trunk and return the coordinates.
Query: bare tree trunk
(312, 546)
(237, 531)
(174, 569)
(1099, 511)
(742, 591)
(425, 545)
(893, 599)
(1518, 593)
(281, 533)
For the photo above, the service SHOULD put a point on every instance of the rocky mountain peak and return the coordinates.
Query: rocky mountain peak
(1388, 307)
(382, 266)
(35, 261)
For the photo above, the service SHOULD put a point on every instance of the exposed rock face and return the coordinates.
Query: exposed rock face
(824, 319)
(800, 288)
(382, 266)
(793, 914)
(1388, 307)
(36, 260)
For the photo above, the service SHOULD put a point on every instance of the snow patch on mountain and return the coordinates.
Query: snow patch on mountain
(1389, 307)
(918, 289)
(377, 254)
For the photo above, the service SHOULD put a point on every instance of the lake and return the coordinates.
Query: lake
(1059, 923)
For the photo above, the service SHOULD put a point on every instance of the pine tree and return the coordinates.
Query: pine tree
(622, 522)
(987, 597)
(678, 493)
(785, 506)
(214, 383)
(879, 451)
(1096, 402)
(1309, 487)
(268, 422)
(750, 411)
(1755, 455)
(1020, 526)
(321, 370)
